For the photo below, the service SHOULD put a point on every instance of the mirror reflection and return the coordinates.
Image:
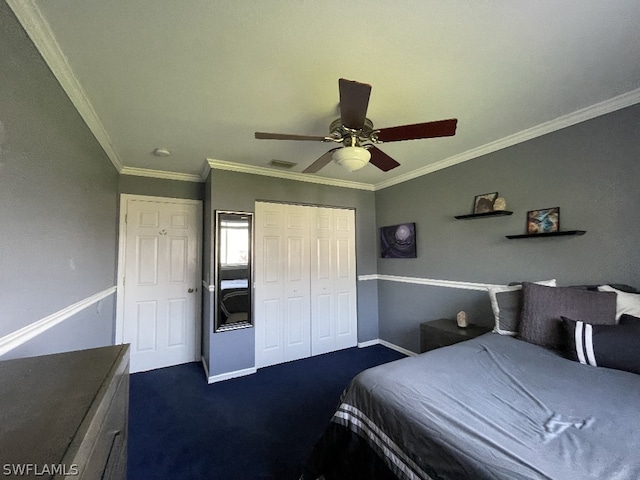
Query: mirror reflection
(233, 270)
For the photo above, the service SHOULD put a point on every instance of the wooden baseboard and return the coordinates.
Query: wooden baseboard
(390, 345)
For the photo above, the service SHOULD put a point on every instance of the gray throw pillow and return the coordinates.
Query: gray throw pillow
(626, 303)
(506, 303)
(543, 307)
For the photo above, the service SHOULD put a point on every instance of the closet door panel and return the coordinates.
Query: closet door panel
(323, 317)
(343, 259)
(322, 273)
(343, 313)
(269, 280)
(324, 260)
(271, 260)
(272, 313)
(295, 330)
(344, 281)
(297, 318)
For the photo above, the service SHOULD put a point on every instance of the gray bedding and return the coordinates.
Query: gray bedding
(497, 408)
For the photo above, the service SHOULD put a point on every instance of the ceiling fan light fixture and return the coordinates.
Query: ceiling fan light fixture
(352, 158)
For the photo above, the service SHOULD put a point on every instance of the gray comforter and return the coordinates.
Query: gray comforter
(497, 408)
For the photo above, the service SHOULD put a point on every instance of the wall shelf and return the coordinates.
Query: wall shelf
(494, 213)
(550, 234)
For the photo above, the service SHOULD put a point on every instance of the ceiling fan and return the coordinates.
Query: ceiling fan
(358, 137)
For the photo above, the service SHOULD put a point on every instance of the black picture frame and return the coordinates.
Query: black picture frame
(398, 241)
(484, 203)
(543, 220)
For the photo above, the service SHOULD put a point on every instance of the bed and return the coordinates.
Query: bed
(234, 300)
(495, 407)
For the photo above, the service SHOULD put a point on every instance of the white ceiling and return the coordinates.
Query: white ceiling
(199, 77)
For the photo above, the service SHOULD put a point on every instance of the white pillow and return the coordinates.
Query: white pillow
(628, 303)
(506, 303)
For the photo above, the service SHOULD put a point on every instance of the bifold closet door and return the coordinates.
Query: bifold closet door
(334, 321)
(282, 294)
(305, 281)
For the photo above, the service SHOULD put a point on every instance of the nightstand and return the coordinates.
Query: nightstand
(445, 331)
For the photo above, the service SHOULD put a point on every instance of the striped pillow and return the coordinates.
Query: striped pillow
(610, 346)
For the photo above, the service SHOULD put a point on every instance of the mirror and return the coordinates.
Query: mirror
(233, 270)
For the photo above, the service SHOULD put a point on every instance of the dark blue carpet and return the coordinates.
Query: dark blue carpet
(261, 426)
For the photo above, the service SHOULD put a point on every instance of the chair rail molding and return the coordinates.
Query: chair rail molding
(431, 282)
(24, 334)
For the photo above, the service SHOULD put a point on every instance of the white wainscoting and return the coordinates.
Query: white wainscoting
(23, 335)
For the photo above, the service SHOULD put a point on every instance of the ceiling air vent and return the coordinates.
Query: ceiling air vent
(282, 164)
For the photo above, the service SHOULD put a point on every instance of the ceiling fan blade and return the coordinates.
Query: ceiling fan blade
(441, 128)
(321, 162)
(286, 136)
(354, 100)
(381, 160)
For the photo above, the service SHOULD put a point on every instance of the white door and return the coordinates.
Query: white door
(334, 321)
(281, 305)
(161, 265)
(305, 290)
(297, 314)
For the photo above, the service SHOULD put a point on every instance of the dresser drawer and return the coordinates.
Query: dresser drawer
(107, 457)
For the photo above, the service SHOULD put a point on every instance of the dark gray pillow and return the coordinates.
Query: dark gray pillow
(506, 303)
(543, 307)
(626, 319)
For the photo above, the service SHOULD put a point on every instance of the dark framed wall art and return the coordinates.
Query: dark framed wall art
(545, 220)
(398, 241)
(484, 203)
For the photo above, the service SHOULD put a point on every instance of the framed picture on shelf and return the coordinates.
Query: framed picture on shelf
(484, 203)
(545, 220)
(398, 241)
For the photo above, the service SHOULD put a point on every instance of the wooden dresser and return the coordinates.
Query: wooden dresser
(65, 415)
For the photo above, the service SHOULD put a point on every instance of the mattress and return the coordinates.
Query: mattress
(494, 407)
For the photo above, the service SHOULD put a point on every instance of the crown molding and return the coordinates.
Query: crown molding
(164, 174)
(268, 172)
(40, 33)
(38, 29)
(579, 116)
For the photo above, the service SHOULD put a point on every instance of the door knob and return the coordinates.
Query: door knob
(191, 290)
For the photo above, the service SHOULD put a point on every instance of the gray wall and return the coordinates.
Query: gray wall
(589, 170)
(89, 328)
(58, 198)
(234, 350)
(160, 187)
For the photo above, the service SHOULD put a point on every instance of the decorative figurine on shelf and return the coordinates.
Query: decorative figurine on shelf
(461, 319)
(500, 204)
